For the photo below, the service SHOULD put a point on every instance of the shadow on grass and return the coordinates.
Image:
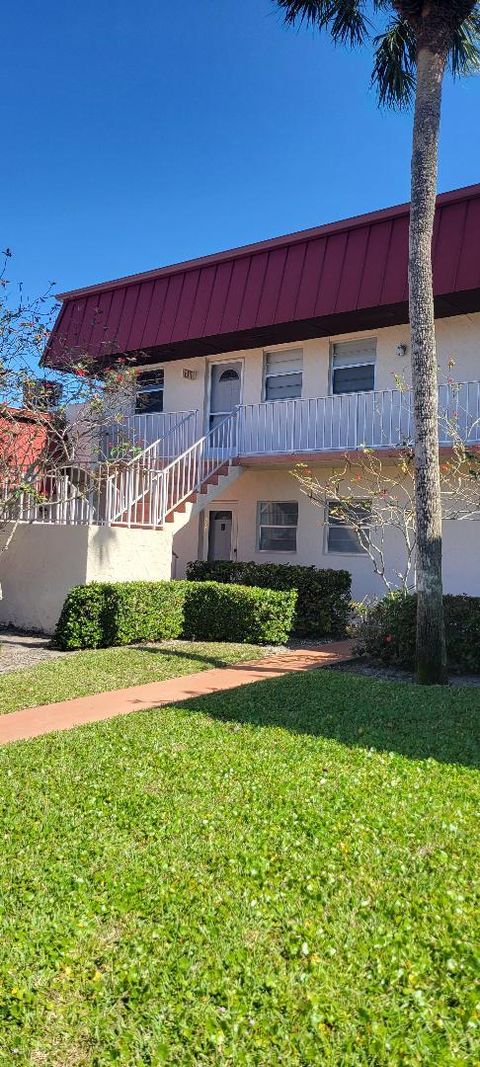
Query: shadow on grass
(419, 722)
(186, 654)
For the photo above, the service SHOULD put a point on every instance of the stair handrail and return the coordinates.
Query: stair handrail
(113, 513)
(198, 450)
(140, 455)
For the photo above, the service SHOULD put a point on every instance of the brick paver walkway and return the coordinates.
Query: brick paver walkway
(45, 719)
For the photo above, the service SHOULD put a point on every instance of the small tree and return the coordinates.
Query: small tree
(48, 424)
(373, 494)
(411, 54)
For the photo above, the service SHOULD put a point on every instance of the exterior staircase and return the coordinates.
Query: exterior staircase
(148, 493)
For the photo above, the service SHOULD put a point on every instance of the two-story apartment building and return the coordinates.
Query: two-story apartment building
(255, 358)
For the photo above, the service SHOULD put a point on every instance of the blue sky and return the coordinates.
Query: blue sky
(136, 135)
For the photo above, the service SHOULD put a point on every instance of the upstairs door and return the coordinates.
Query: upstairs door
(225, 389)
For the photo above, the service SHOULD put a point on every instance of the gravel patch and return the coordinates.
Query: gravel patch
(393, 674)
(19, 649)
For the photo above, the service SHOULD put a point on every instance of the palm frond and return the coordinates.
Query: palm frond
(348, 24)
(312, 12)
(464, 55)
(394, 68)
(344, 19)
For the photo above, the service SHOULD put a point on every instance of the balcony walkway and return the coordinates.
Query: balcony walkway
(147, 485)
(379, 419)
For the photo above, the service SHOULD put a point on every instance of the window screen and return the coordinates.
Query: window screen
(277, 526)
(353, 366)
(149, 396)
(283, 374)
(341, 535)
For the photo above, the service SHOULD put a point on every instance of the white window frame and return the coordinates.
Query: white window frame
(355, 363)
(275, 526)
(361, 551)
(280, 374)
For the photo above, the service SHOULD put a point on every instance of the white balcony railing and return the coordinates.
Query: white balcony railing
(136, 492)
(166, 434)
(146, 488)
(376, 419)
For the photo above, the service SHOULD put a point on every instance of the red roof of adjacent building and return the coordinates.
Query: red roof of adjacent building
(348, 275)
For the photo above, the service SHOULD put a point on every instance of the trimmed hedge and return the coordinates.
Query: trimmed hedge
(216, 612)
(386, 631)
(105, 613)
(323, 603)
(118, 613)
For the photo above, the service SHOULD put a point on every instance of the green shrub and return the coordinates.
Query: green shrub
(323, 601)
(104, 614)
(216, 612)
(107, 613)
(386, 631)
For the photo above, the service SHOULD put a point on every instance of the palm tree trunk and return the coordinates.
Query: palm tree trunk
(431, 653)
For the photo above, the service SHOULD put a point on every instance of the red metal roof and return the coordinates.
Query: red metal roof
(344, 276)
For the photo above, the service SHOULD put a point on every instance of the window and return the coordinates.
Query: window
(283, 374)
(341, 535)
(149, 398)
(277, 526)
(353, 366)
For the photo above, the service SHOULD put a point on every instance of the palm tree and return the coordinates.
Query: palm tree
(420, 40)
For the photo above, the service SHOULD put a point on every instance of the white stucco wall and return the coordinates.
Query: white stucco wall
(121, 555)
(457, 338)
(461, 539)
(43, 563)
(36, 572)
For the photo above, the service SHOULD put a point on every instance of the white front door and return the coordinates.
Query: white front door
(225, 389)
(220, 535)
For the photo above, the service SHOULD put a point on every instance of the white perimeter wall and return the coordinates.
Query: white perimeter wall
(43, 563)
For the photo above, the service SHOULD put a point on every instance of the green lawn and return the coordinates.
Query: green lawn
(282, 874)
(82, 673)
